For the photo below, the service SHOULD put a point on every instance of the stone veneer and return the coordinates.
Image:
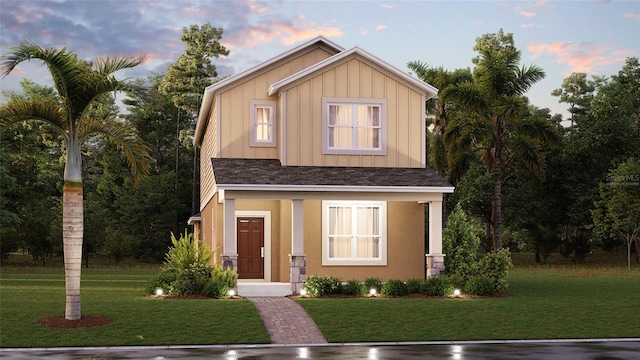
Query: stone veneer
(229, 261)
(298, 272)
(435, 265)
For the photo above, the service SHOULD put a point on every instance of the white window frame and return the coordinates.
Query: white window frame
(354, 150)
(380, 261)
(263, 104)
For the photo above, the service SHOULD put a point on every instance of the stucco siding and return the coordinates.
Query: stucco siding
(356, 78)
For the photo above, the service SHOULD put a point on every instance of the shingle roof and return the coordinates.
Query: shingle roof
(271, 172)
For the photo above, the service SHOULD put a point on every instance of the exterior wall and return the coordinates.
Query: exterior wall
(235, 108)
(355, 78)
(405, 244)
(208, 150)
(211, 228)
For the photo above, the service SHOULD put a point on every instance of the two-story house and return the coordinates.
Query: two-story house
(314, 163)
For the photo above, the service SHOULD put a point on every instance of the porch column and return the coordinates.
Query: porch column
(298, 271)
(435, 258)
(230, 249)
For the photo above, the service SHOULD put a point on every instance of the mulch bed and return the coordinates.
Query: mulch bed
(86, 321)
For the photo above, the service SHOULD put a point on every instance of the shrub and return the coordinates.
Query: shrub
(394, 288)
(414, 285)
(456, 280)
(322, 285)
(496, 266)
(437, 286)
(353, 287)
(163, 280)
(460, 244)
(192, 281)
(373, 283)
(481, 285)
(186, 251)
(223, 280)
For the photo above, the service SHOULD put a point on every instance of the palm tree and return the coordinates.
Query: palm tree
(79, 85)
(436, 107)
(493, 127)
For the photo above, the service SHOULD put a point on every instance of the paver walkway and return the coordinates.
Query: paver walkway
(287, 322)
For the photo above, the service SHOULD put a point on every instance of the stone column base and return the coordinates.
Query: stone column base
(230, 261)
(435, 265)
(298, 272)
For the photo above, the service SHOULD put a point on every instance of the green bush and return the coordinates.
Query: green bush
(186, 251)
(163, 280)
(394, 287)
(456, 280)
(481, 285)
(192, 281)
(414, 285)
(496, 267)
(437, 286)
(373, 283)
(460, 244)
(353, 287)
(224, 280)
(323, 285)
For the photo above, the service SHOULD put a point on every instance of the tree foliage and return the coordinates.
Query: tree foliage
(460, 244)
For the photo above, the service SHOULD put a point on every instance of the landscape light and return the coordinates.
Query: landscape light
(456, 292)
(372, 292)
(232, 292)
(303, 292)
(159, 292)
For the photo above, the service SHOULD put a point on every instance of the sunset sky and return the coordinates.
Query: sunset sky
(560, 36)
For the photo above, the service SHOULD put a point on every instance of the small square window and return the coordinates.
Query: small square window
(263, 129)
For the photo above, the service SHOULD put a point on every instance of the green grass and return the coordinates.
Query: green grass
(597, 299)
(546, 302)
(29, 294)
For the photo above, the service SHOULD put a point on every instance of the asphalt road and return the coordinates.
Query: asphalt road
(610, 349)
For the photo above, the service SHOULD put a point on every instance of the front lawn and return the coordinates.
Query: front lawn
(29, 294)
(546, 302)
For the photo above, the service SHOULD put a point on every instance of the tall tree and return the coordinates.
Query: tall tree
(493, 127)
(78, 86)
(577, 92)
(186, 80)
(438, 109)
(618, 211)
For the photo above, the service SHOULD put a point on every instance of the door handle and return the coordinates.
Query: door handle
(262, 251)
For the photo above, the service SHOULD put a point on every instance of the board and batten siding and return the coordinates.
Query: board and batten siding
(235, 108)
(355, 78)
(208, 150)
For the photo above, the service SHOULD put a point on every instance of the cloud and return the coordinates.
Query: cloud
(388, 6)
(525, 26)
(541, 3)
(582, 57)
(631, 15)
(381, 27)
(527, 14)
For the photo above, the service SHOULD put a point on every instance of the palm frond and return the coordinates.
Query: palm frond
(125, 138)
(530, 154)
(526, 77)
(540, 130)
(33, 109)
(468, 96)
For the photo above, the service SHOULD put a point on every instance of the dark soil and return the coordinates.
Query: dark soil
(85, 321)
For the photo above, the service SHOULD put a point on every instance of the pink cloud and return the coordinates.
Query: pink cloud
(541, 3)
(525, 26)
(527, 14)
(631, 15)
(381, 27)
(388, 6)
(581, 57)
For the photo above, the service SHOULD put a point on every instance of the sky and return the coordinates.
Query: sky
(561, 37)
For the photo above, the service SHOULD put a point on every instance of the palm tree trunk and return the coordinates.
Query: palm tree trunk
(497, 207)
(72, 231)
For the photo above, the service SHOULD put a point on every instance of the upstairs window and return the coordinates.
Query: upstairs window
(354, 126)
(263, 123)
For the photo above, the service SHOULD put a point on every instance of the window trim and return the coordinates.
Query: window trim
(382, 103)
(327, 261)
(254, 106)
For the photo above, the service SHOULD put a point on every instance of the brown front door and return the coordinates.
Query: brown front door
(250, 248)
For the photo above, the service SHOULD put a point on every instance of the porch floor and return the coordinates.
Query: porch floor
(248, 288)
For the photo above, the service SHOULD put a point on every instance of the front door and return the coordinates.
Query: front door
(250, 248)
